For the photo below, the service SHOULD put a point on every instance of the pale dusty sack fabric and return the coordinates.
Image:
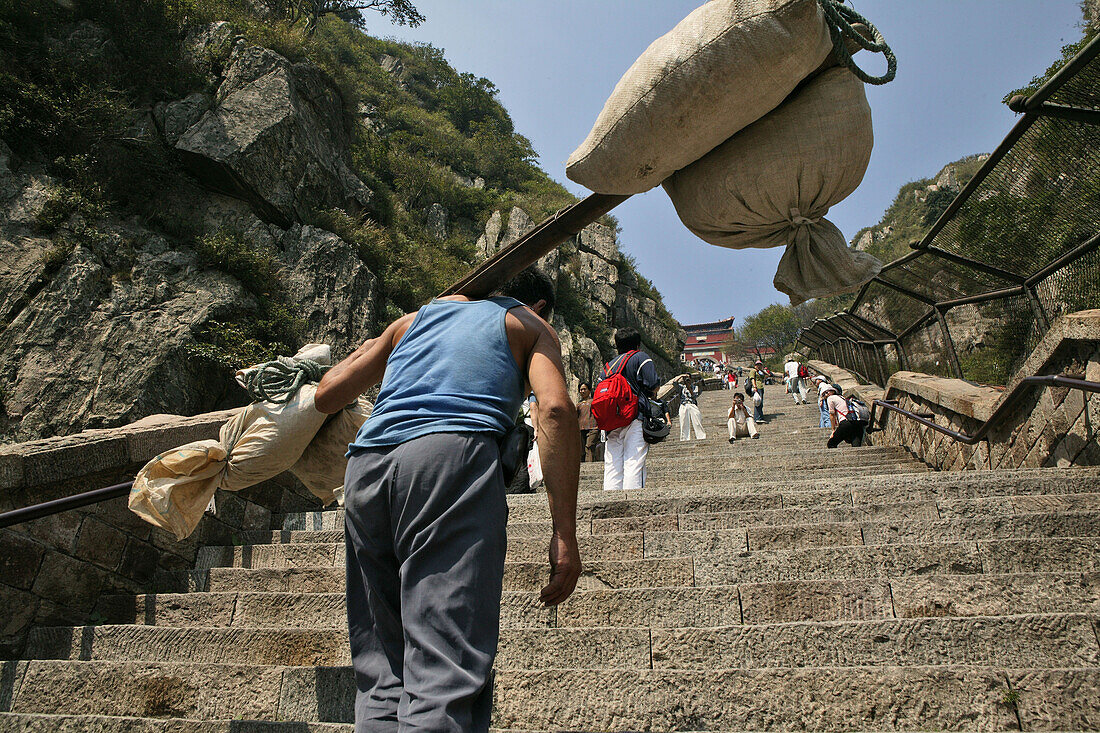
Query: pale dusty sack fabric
(719, 70)
(258, 443)
(771, 184)
(322, 466)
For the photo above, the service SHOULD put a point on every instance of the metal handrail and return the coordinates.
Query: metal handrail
(45, 509)
(1056, 380)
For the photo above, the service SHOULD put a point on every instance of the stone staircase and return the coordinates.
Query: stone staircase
(768, 584)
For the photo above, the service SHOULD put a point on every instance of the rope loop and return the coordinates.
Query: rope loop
(278, 381)
(840, 18)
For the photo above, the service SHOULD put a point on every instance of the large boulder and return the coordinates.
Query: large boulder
(275, 136)
(97, 336)
(330, 287)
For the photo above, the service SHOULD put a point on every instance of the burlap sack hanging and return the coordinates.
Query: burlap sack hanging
(723, 67)
(771, 185)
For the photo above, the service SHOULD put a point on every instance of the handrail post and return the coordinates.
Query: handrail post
(1037, 309)
(950, 344)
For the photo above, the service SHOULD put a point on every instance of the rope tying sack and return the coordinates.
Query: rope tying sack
(840, 18)
(278, 381)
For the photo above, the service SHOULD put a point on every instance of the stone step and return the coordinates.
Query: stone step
(1046, 555)
(603, 648)
(686, 469)
(796, 446)
(749, 603)
(1051, 555)
(839, 492)
(1065, 640)
(712, 543)
(518, 576)
(729, 458)
(693, 521)
(924, 698)
(42, 723)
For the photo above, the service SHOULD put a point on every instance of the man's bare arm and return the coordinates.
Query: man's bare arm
(559, 451)
(365, 368)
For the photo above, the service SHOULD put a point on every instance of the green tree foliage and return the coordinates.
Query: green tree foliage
(310, 12)
(776, 327)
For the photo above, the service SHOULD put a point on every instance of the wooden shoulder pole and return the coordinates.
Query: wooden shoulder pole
(525, 251)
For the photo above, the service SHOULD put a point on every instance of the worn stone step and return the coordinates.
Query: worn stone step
(519, 576)
(833, 697)
(1067, 640)
(751, 603)
(328, 554)
(1050, 555)
(532, 648)
(673, 479)
(1046, 555)
(42, 723)
(657, 544)
(837, 491)
(758, 454)
(782, 537)
(694, 521)
(730, 496)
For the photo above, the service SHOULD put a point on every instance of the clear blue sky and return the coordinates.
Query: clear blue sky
(556, 61)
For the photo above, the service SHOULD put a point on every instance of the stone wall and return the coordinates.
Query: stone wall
(56, 569)
(1048, 427)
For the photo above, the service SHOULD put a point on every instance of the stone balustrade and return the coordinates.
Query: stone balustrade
(55, 569)
(1049, 427)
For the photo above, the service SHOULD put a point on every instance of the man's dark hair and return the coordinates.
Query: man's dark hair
(627, 339)
(586, 385)
(529, 287)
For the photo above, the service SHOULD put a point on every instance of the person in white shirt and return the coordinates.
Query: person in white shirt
(846, 428)
(794, 382)
(739, 421)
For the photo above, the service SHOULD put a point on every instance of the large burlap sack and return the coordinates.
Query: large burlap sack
(323, 464)
(258, 443)
(771, 184)
(722, 68)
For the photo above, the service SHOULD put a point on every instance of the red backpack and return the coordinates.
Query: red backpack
(614, 404)
(803, 372)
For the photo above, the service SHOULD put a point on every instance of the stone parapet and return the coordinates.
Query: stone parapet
(54, 570)
(1049, 426)
(846, 381)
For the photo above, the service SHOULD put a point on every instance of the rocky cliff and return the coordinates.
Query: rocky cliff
(916, 207)
(257, 226)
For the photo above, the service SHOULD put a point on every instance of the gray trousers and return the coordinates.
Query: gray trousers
(425, 529)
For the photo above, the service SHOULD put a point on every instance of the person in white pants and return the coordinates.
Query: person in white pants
(624, 458)
(794, 382)
(690, 417)
(740, 422)
(626, 450)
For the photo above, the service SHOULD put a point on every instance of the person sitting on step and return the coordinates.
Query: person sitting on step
(739, 421)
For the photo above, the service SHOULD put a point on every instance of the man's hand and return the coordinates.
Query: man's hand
(565, 569)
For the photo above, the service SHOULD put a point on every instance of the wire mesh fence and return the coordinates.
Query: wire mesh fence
(1017, 247)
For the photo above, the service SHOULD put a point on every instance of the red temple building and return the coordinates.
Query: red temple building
(706, 342)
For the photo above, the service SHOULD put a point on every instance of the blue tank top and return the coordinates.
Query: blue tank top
(451, 372)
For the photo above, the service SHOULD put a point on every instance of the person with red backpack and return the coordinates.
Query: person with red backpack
(626, 380)
(794, 374)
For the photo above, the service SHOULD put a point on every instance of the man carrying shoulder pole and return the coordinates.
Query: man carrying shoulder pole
(425, 499)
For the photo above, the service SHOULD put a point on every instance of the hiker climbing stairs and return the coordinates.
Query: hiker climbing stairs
(763, 584)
